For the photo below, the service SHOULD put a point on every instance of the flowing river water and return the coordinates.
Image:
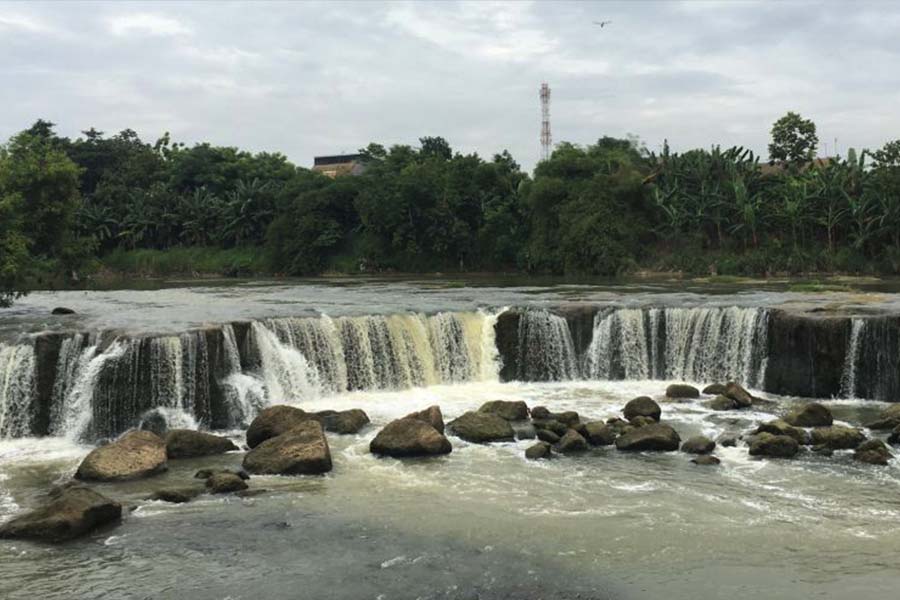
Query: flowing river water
(481, 522)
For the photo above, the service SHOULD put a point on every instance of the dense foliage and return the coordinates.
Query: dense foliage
(67, 206)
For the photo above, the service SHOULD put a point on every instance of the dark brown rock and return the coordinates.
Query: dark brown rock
(272, 422)
(774, 446)
(71, 511)
(698, 445)
(572, 442)
(837, 437)
(551, 425)
(481, 428)
(779, 427)
(714, 389)
(225, 483)
(682, 390)
(642, 406)
(873, 452)
(741, 397)
(346, 421)
(302, 450)
(510, 410)
(177, 495)
(888, 419)
(600, 434)
(706, 459)
(721, 403)
(431, 415)
(185, 443)
(545, 435)
(538, 451)
(135, 455)
(811, 414)
(410, 437)
(656, 437)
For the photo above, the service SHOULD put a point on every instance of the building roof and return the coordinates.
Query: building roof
(338, 159)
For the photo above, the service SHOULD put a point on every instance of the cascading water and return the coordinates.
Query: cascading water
(16, 389)
(691, 344)
(848, 376)
(546, 351)
(872, 363)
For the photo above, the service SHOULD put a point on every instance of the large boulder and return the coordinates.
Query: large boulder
(888, 419)
(811, 414)
(600, 433)
(431, 415)
(71, 511)
(780, 427)
(551, 425)
(482, 427)
(656, 437)
(775, 446)
(572, 441)
(224, 482)
(837, 437)
(682, 390)
(302, 450)
(643, 406)
(185, 443)
(698, 444)
(272, 422)
(511, 410)
(546, 435)
(134, 455)
(540, 412)
(715, 389)
(345, 421)
(410, 437)
(873, 452)
(537, 451)
(741, 397)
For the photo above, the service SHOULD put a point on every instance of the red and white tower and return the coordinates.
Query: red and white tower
(546, 138)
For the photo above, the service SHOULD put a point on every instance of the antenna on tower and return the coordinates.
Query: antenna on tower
(546, 138)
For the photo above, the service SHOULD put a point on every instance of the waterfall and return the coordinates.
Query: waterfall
(17, 383)
(244, 394)
(691, 344)
(546, 351)
(848, 375)
(872, 362)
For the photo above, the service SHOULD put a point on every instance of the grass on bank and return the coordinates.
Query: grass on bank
(231, 262)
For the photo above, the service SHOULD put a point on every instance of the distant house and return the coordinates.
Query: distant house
(340, 165)
(777, 168)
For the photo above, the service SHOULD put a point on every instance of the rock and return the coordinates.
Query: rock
(572, 442)
(552, 425)
(779, 427)
(302, 450)
(72, 511)
(714, 389)
(641, 421)
(741, 397)
(134, 455)
(894, 438)
(410, 437)
(600, 433)
(721, 403)
(431, 415)
(154, 421)
(545, 435)
(482, 427)
(682, 390)
(811, 414)
(698, 445)
(775, 446)
(62, 310)
(207, 473)
(873, 452)
(540, 412)
(726, 440)
(184, 443)
(643, 406)
(620, 426)
(177, 495)
(272, 422)
(837, 437)
(567, 417)
(823, 450)
(524, 431)
(506, 409)
(706, 459)
(224, 482)
(346, 421)
(657, 437)
(580, 428)
(888, 419)
(539, 450)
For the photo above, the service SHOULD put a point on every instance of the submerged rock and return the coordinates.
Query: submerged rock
(572, 441)
(714, 389)
(482, 427)
(643, 406)
(657, 437)
(779, 427)
(410, 437)
(682, 390)
(811, 414)
(698, 445)
(706, 459)
(185, 443)
(837, 437)
(774, 446)
(888, 419)
(303, 450)
(272, 422)
(207, 473)
(134, 455)
(72, 511)
(431, 415)
(873, 452)
(176, 495)
(600, 433)
(538, 451)
(727, 440)
(62, 310)
(506, 409)
(224, 483)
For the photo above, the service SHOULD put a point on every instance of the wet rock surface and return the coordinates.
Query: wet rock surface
(657, 437)
(302, 450)
(481, 427)
(135, 455)
(409, 437)
(186, 443)
(69, 511)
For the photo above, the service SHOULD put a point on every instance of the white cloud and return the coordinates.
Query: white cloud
(146, 24)
(26, 23)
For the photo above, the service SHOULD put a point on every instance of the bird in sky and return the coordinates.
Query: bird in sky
(602, 23)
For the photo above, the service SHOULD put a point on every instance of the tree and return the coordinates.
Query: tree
(794, 140)
(435, 147)
(13, 249)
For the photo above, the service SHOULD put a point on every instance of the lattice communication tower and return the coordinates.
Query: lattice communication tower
(546, 138)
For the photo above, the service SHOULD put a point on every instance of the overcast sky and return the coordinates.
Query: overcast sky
(307, 79)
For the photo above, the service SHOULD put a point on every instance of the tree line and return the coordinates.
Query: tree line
(67, 205)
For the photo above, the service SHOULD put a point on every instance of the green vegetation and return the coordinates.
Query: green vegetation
(604, 209)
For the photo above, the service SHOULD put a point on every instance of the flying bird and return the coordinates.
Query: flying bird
(602, 24)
